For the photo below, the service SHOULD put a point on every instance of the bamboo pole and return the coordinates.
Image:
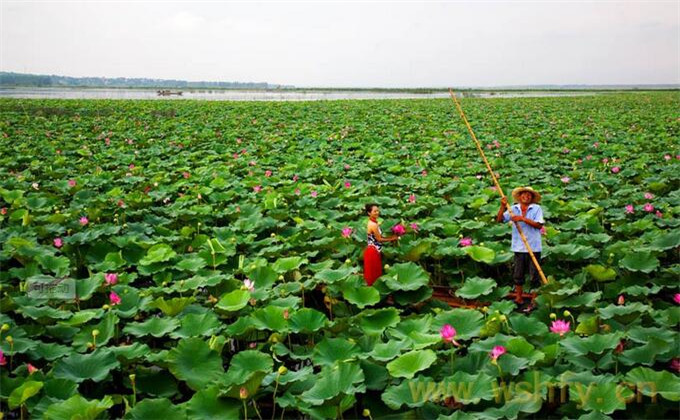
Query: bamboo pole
(544, 280)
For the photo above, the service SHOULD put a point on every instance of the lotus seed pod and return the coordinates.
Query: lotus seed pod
(348, 261)
(105, 307)
(366, 412)
(272, 234)
(503, 318)
(553, 316)
(95, 332)
(5, 327)
(566, 313)
(281, 277)
(387, 266)
(283, 370)
(9, 339)
(132, 377)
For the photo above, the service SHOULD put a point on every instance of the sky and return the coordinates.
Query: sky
(348, 44)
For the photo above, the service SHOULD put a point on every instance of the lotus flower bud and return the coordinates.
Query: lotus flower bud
(5, 327)
(9, 339)
(283, 370)
(95, 333)
(566, 313)
(366, 412)
(553, 316)
(243, 393)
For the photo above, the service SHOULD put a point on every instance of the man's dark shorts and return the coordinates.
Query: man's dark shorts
(524, 265)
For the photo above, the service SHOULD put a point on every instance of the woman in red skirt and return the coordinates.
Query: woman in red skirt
(373, 253)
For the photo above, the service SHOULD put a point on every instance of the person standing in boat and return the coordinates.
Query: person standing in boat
(373, 252)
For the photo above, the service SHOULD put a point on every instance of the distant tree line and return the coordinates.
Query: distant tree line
(35, 80)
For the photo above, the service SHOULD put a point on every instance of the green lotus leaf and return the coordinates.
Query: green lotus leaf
(634, 309)
(645, 354)
(361, 296)
(49, 351)
(527, 326)
(191, 264)
(23, 392)
(601, 273)
(666, 241)
(467, 322)
(408, 364)
(234, 300)
(77, 407)
(195, 363)
(480, 253)
(331, 350)
(154, 326)
(329, 276)
(605, 398)
(159, 408)
(307, 320)
(375, 321)
(57, 265)
(343, 378)
(595, 344)
(206, 404)
(106, 328)
(172, 307)
(650, 382)
(642, 261)
(157, 253)
(387, 351)
(271, 318)
(406, 276)
(193, 325)
(79, 367)
(475, 287)
(284, 265)
(246, 369)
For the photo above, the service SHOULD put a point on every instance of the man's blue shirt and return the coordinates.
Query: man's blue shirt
(533, 235)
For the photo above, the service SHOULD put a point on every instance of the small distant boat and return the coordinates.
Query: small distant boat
(167, 92)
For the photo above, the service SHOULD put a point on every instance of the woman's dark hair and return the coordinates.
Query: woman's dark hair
(369, 207)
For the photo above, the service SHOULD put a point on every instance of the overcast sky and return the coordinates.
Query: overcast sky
(389, 44)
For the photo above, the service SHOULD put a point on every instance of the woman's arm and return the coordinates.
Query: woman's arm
(373, 228)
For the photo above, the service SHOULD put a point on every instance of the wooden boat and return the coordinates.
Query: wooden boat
(167, 92)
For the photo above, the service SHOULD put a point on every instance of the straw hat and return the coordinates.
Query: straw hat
(519, 190)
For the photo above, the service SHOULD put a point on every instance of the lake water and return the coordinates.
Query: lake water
(251, 95)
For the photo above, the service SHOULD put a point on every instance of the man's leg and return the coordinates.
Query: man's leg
(518, 274)
(533, 272)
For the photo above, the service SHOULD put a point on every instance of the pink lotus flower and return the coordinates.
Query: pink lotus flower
(489, 146)
(58, 242)
(107, 141)
(667, 157)
(620, 347)
(249, 284)
(235, 156)
(346, 167)
(596, 144)
(496, 143)
(399, 229)
(629, 209)
(186, 175)
(131, 166)
(448, 333)
(295, 178)
(649, 195)
(346, 232)
(347, 184)
(579, 161)
(3, 211)
(267, 173)
(616, 169)
(35, 186)
(244, 151)
(676, 298)
(565, 150)
(424, 172)
(412, 198)
(560, 327)
(31, 369)
(297, 191)
(71, 183)
(658, 214)
(252, 163)
(621, 300)
(121, 203)
(3, 361)
(675, 365)
(111, 278)
(130, 141)
(589, 157)
(465, 242)
(257, 188)
(497, 352)
(252, 345)
(83, 221)
(542, 231)
(479, 176)
(314, 194)
(648, 207)
(565, 179)
(605, 160)
(114, 299)
(286, 314)
(414, 227)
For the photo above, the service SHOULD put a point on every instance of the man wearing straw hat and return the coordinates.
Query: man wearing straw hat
(529, 215)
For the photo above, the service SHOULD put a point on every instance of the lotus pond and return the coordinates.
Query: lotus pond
(166, 259)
